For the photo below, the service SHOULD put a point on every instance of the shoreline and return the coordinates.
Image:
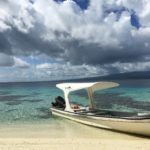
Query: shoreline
(66, 135)
(61, 128)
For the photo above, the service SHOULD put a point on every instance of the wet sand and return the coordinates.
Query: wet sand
(66, 135)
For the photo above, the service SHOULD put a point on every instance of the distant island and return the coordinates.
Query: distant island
(119, 76)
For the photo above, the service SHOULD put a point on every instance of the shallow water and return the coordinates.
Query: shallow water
(31, 102)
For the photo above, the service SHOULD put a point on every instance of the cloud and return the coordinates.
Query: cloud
(10, 61)
(20, 63)
(100, 35)
(61, 71)
(6, 60)
(127, 67)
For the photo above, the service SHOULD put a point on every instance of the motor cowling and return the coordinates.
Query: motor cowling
(59, 102)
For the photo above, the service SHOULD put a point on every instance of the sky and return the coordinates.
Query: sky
(65, 39)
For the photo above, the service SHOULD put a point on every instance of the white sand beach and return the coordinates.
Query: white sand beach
(66, 135)
(72, 144)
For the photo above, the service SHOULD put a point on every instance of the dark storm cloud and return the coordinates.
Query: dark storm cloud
(6, 60)
(18, 40)
(31, 43)
(95, 54)
(5, 46)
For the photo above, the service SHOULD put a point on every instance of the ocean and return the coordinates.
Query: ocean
(30, 102)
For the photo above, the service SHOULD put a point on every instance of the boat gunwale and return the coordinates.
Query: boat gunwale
(106, 118)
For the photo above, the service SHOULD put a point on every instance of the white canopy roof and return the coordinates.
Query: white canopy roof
(90, 86)
(69, 87)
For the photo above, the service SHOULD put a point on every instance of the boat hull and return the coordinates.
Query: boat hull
(137, 126)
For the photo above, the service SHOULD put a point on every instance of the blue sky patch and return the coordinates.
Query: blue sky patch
(82, 3)
(135, 20)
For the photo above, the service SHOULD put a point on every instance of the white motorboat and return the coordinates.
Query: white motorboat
(128, 122)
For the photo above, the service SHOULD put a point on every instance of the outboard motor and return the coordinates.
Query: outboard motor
(59, 102)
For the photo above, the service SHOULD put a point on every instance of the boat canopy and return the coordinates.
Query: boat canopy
(78, 86)
(90, 86)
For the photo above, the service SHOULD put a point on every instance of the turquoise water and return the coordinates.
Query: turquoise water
(31, 102)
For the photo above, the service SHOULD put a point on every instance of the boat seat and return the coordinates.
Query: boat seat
(97, 113)
(144, 114)
(81, 110)
(77, 108)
